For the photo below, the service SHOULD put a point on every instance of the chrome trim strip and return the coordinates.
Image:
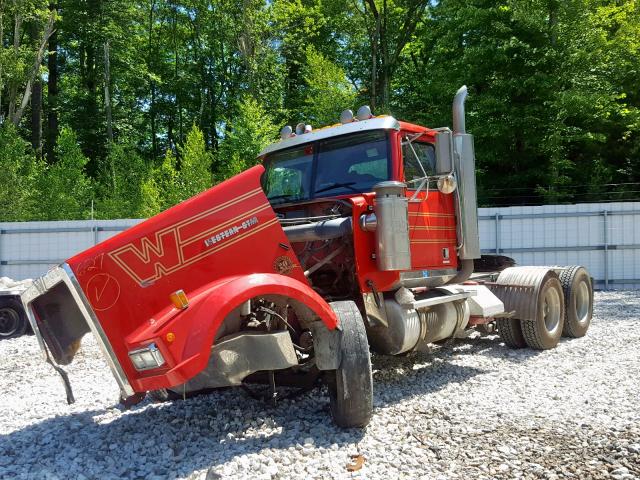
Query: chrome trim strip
(26, 297)
(98, 332)
(378, 123)
(63, 273)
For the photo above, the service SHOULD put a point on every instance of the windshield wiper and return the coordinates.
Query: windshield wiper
(338, 185)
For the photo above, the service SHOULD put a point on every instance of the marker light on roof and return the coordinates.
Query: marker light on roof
(346, 116)
(286, 132)
(300, 128)
(307, 128)
(364, 113)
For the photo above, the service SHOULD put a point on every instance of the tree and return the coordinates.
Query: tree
(328, 91)
(20, 60)
(120, 181)
(65, 191)
(160, 190)
(19, 170)
(250, 131)
(195, 165)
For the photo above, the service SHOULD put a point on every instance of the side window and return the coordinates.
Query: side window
(426, 155)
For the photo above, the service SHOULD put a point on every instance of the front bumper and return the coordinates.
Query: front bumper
(61, 281)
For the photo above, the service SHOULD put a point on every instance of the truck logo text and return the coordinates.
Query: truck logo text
(175, 247)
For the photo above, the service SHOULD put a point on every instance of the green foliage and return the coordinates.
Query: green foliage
(554, 101)
(195, 165)
(167, 185)
(19, 172)
(120, 181)
(248, 133)
(65, 191)
(328, 90)
(160, 191)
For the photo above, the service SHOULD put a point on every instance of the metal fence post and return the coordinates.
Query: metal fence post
(605, 224)
(497, 233)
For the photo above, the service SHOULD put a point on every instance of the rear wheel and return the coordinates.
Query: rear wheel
(13, 321)
(351, 385)
(510, 332)
(578, 299)
(545, 330)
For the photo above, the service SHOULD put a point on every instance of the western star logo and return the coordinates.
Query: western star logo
(231, 231)
(172, 248)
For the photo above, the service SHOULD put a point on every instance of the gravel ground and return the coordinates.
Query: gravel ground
(472, 410)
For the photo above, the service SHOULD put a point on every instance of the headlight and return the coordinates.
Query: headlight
(147, 358)
(447, 184)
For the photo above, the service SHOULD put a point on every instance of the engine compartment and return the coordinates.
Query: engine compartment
(328, 263)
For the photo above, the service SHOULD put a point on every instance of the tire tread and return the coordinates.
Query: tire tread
(566, 279)
(510, 332)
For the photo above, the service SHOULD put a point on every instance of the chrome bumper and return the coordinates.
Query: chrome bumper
(53, 277)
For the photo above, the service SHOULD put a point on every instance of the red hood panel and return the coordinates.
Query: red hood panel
(227, 230)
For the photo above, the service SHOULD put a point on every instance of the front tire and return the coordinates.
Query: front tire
(578, 299)
(13, 321)
(351, 385)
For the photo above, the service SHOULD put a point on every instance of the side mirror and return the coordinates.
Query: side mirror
(444, 155)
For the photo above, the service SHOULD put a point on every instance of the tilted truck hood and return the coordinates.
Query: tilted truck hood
(123, 285)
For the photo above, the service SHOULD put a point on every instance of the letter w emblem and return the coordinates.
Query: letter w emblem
(151, 259)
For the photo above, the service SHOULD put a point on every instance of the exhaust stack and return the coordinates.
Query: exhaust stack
(465, 166)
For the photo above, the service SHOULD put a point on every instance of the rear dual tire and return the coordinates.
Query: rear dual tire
(565, 308)
(578, 295)
(545, 331)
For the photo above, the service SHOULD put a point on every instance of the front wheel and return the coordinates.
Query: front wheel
(351, 384)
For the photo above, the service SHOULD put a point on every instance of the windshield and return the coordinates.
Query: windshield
(337, 166)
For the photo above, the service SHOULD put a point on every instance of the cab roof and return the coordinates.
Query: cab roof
(384, 122)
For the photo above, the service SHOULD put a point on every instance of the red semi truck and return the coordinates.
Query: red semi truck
(355, 236)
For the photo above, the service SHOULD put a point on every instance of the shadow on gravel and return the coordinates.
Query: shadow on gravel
(167, 440)
(417, 374)
(178, 438)
(491, 346)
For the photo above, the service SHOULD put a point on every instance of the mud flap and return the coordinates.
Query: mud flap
(326, 346)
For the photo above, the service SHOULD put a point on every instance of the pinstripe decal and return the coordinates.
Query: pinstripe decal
(161, 261)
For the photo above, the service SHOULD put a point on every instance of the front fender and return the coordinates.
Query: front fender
(194, 329)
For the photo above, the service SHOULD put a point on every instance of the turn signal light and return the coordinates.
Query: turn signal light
(179, 299)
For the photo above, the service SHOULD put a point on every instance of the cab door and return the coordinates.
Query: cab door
(432, 223)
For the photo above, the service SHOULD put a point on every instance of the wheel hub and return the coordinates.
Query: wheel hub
(9, 321)
(551, 310)
(581, 300)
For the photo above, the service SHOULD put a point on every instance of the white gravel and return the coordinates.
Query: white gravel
(473, 410)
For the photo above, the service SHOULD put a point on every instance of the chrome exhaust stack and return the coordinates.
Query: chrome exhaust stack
(467, 207)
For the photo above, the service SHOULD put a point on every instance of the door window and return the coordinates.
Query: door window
(418, 159)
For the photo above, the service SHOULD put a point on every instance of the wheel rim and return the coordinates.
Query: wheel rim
(582, 300)
(9, 321)
(551, 309)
